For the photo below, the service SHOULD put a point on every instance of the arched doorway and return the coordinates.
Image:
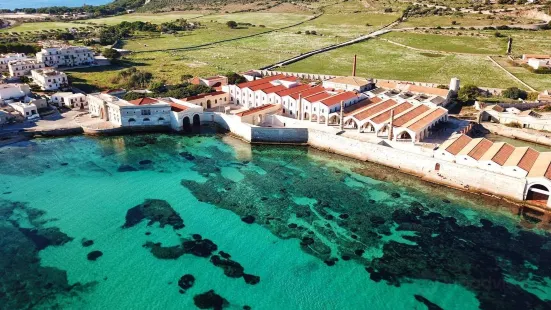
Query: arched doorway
(196, 120)
(237, 102)
(404, 137)
(306, 116)
(437, 167)
(187, 124)
(322, 119)
(350, 124)
(208, 104)
(383, 132)
(314, 118)
(538, 193)
(161, 120)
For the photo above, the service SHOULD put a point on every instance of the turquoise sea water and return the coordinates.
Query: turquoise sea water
(11, 4)
(328, 232)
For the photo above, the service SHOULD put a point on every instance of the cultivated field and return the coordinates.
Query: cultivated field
(144, 17)
(486, 43)
(380, 59)
(530, 42)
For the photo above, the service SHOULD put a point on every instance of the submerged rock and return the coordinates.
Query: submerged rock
(210, 300)
(395, 195)
(155, 210)
(87, 243)
(251, 279)
(430, 305)
(145, 162)
(231, 268)
(161, 252)
(186, 281)
(126, 168)
(201, 248)
(187, 155)
(94, 255)
(249, 219)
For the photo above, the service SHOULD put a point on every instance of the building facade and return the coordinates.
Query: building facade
(23, 67)
(49, 79)
(139, 112)
(5, 59)
(209, 100)
(70, 100)
(67, 56)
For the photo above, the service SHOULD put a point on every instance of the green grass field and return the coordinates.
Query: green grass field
(465, 20)
(539, 82)
(39, 26)
(270, 20)
(530, 42)
(346, 25)
(144, 17)
(486, 44)
(213, 32)
(380, 59)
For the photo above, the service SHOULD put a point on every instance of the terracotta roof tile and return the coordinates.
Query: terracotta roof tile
(385, 116)
(458, 144)
(409, 115)
(293, 90)
(503, 154)
(203, 95)
(255, 109)
(478, 151)
(377, 108)
(363, 104)
(317, 97)
(429, 118)
(528, 159)
(260, 81)
(308, 92)
(143, 101)
(338, 98)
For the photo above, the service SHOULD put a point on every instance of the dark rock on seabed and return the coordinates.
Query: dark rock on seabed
(430, 305)
(249, 219)
(210, 300)
(231, 268)
(126, 168)
(86, 243)
(186, 282)
(94, 255)
(161, 252)
(154, 210)
(201, 248)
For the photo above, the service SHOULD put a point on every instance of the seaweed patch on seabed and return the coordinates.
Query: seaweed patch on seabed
(23, 282)
(414, 238)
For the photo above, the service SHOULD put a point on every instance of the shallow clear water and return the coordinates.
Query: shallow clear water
(328, 232)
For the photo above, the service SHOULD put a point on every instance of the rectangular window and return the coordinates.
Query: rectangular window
(146, 112)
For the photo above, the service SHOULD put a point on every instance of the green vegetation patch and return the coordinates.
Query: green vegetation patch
(135, 17)
(270, 20)
(346, 25)
(539, 82)
(450, 43)
(380, 59)
(464, 20)
(40, 26)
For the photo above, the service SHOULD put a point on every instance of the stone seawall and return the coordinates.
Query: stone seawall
(521, 134)
(428, 168)
(279, 135)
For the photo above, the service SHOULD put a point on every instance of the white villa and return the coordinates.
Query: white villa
(139, 112)
(70, 100)
(66, 56)
(23, 67)
(49, 79)
(537, 61)
(13, 91)
(183, 114)
(5, 59)
(28, 110)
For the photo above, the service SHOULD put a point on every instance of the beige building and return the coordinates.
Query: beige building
(209, 100)
(23, 67)
(49, 79)
(139, 112)
(349, 83)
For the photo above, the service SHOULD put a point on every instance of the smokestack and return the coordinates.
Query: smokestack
(354, 66)
(390, 130)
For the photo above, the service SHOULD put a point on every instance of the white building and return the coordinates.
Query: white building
(49, 79)
(525, 119)
(13, 91)
(70, 100)
(183, 114)
(23, 67)
(67, 56)
(139, 112)
(28, 110)
(349, 83)
(5, 59)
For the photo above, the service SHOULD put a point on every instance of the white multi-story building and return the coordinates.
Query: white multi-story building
(70, 100)
(23, 67)
(49, 79)
(5, 59)
(139, 112)
(67, 56)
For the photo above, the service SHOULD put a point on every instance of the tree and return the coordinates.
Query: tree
(514, 93)
(234, 78)
(468, 93)
(186, 77)
(231, 24)
(111, 53)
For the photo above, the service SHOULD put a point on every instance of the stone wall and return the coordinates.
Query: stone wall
(279, 135)
(543, 138)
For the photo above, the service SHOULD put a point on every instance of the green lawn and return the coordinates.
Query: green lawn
(530, 42)
(39, 26)
(380, 59)
(213, 32)
(465, 20)
(449, 43)
(346, 25)
(144, 17)
(270, 20)
(539, 82)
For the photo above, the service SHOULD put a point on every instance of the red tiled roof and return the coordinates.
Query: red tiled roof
(255, 109)
(478, 151)
(261, 86)
(308, 92)
(195, 81)
(528, 160)
(260, 81)
(203, 95)
(429, 90)
(503, 154)
(427, 119)
(273, 89)
(363, 104)
(402, 107)
(143, 101)
(338, 98)
(458, 144)
(409, 115)
(177, 107)
(375, 109)
(293, 90)
(548, 172)
(317, 97)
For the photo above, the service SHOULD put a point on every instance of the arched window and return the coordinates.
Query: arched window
(146, 119)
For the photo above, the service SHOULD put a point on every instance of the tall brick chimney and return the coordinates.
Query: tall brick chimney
(354, 66)
(299, 107)
(391, 127)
